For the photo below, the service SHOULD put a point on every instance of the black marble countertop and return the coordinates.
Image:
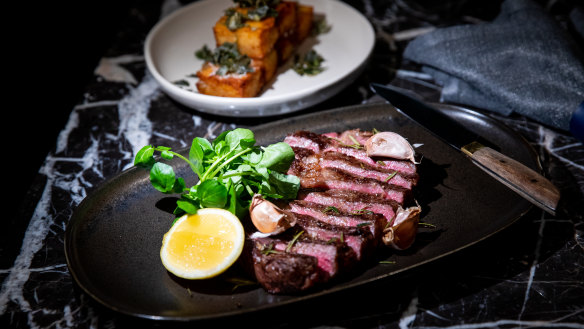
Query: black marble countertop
(529, 275)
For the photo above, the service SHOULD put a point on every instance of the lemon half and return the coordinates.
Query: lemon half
(203, 245)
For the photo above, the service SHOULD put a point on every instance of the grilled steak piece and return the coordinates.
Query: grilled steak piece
(348, 165)
(318, 173)
(286, 272)
(335, 179)
(332, 215)
(306, 166)
(332, 257)
(359, 239)
(321, 144)
(352, 202)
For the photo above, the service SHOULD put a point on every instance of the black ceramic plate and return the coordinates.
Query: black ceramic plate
(113, 240)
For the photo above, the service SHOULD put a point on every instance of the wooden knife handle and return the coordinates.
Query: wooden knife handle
(521, 179)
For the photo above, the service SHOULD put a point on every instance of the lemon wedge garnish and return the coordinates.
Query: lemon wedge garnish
(203, 245)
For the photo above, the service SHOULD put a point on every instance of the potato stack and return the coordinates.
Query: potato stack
(268, 42)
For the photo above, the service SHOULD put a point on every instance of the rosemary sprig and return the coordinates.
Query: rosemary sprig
(291, 243)
(269, 250)
(390, 176)
(387, 262)
(335, 239)
(239, 282)
(362, 211)
(331, 209)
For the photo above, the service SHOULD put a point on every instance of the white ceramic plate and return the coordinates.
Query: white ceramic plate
(171, 44)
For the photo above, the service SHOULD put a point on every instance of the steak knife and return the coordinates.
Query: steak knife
(513, 174)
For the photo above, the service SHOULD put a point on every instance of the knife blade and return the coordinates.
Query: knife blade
(523, 180)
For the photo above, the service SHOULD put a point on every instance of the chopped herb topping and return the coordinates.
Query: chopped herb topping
(291, 243)
(259, 9)
(309, 64)
(181, 82)
(320, 26)
(234, 19)
(426, 224)
(363, 224)
(227, 57)
(260, 13)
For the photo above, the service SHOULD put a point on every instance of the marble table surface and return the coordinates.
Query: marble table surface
(529, 275)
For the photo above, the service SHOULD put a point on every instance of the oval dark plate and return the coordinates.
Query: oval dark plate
(113, 239)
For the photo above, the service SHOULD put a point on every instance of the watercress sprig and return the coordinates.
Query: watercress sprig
(230, 170)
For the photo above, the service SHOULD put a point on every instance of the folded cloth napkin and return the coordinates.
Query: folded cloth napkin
(521, 62)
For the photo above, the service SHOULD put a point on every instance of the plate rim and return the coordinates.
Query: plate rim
(247, 107)
(313, 295)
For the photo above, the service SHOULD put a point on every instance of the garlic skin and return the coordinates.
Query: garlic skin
(391, 145)
(269, 218)
(402, 234)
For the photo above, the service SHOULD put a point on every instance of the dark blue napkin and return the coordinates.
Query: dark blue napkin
(521, 62)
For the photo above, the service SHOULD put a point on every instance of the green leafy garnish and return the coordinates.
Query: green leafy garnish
(231, 169)
(363, 224)
(309, 64)
(227, 57)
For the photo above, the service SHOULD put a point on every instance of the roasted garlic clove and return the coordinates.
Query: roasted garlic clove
(402, 234)
(391, 145)
(269, 218)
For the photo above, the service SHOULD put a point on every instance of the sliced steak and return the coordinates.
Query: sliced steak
(336, 179)
(321, 144)
(352, 202)
(337, 172)
(308, 140)
(333, 216)
(346, 202)
(348, 165)
(360, 239)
